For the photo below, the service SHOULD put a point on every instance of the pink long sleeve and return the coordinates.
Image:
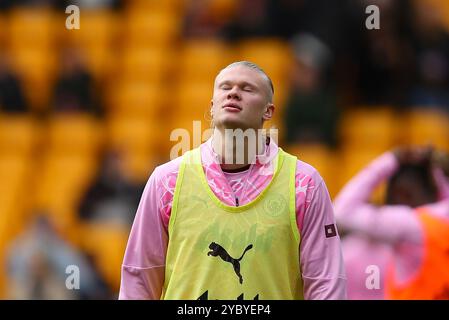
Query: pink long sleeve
(144, 263)
(322, 264)
(321, 258)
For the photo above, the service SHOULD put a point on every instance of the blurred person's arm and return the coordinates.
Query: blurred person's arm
(322, 264)
(354, 213)
(143, 268)
(442, 183)
(441, 173)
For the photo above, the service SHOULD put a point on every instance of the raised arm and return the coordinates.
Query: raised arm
(354, 213)
(357, 192)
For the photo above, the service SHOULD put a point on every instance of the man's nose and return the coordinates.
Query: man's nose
(234, 93)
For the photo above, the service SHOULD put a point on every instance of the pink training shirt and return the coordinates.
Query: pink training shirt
(321, 258)
(378, 233)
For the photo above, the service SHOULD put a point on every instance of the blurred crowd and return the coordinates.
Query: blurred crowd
(334, 65)
(337, 62)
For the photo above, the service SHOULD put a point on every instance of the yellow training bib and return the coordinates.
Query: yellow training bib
(217, 251)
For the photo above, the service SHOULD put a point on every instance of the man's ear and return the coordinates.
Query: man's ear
(269, 111)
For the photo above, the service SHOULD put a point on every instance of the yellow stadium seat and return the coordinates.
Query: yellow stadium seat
(100, 61)
(3, 24)
(158, 28)
(15, 172)
(274, 56)
(37, 69)
(75, 133)
(3, 278)
(137, 98)
(352, 161)
(145, 63)
(202, 59)
(374, 128)
(18, 135)
(96, 38)
(142, 144)
(194, 99)
(134, 134)
(139, 165)
(439, 10)
(222, 10)
(152, 5)
(428, 127)
(107, 244)
(322, 158)
(31, 27)
(98, 28)
(62, 181)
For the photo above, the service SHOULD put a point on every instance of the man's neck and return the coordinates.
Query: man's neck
(237, 151)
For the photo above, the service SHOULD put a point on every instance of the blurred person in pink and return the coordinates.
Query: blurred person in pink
(256, 207)
(385, 246)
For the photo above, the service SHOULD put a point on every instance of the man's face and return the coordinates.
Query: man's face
(241, 99)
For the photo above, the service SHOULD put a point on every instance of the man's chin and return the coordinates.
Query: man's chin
(232, 124)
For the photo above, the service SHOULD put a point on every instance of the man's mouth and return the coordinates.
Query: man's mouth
(232, 107)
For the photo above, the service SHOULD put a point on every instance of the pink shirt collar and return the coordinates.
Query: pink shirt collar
(209, 156)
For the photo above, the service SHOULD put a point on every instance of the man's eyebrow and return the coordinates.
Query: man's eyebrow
(245, 83)
(242, 83)
(223, 82)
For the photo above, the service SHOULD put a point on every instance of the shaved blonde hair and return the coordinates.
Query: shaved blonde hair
(254, 66)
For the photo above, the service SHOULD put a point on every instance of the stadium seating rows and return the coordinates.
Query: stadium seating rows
(153, 83)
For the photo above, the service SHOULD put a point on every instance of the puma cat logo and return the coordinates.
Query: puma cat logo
(217, 250)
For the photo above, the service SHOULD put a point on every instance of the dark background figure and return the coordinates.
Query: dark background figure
(382, 62)
(74, 90)
(251, 19)
(12, 98)
(311, 110)
(320, 17)
(90, 4)
(201, 20)
(430, 47)
(413, 184)
(6, 4)
(112, 197)
(37, 266)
